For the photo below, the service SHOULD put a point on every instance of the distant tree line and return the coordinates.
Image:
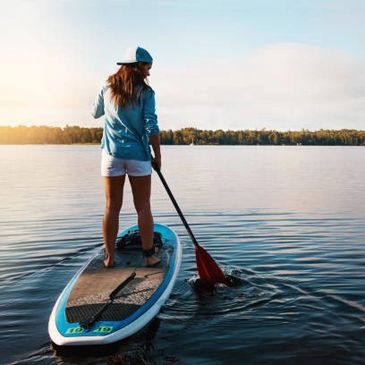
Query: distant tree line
(264, 137)
(75, 134)
(49, 135)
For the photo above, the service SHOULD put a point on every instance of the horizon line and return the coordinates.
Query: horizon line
(189, 127)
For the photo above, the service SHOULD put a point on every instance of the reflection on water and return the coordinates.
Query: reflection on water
(287, 222)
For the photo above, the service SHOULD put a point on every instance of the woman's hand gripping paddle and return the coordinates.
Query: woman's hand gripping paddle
(209, 271)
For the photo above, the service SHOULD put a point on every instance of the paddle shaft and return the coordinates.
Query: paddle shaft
(176, 206)
(209, 271)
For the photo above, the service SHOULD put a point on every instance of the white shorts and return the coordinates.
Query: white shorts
(113, 166)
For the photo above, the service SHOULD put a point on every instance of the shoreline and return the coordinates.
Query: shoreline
(70, 135)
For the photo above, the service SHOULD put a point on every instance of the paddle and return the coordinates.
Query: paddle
(209, 271)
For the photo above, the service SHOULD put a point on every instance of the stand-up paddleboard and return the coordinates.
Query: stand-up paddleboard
(101, 306)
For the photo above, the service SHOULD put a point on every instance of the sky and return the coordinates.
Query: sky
(273, 64)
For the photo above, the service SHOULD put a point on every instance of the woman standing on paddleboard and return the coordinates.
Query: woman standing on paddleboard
(128, 104)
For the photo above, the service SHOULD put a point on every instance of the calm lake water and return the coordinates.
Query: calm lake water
(289, 222)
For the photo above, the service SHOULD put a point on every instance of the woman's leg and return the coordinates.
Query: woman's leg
(141, 189)
(113, 187)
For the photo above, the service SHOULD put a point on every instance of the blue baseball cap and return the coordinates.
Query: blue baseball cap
(136, 54)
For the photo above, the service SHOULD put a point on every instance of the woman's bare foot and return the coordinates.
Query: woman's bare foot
(151, 261)
(149, 257)
(108, 261)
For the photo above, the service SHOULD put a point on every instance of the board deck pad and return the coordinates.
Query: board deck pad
(96, 283)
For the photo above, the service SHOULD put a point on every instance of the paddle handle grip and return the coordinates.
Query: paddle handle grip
(174, 202)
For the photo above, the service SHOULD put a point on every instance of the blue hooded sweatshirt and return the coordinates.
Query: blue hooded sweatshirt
(127, 129)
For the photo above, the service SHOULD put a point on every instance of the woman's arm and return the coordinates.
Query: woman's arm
(98, 108)
(151, 126)
(155, 143)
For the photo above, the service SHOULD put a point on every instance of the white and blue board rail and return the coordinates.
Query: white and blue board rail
(143, 291)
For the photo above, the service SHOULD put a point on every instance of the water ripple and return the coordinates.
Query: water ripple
(299, 288)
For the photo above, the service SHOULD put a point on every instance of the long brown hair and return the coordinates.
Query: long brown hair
(128, 83)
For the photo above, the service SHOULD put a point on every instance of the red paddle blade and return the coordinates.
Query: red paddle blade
(209, 271)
